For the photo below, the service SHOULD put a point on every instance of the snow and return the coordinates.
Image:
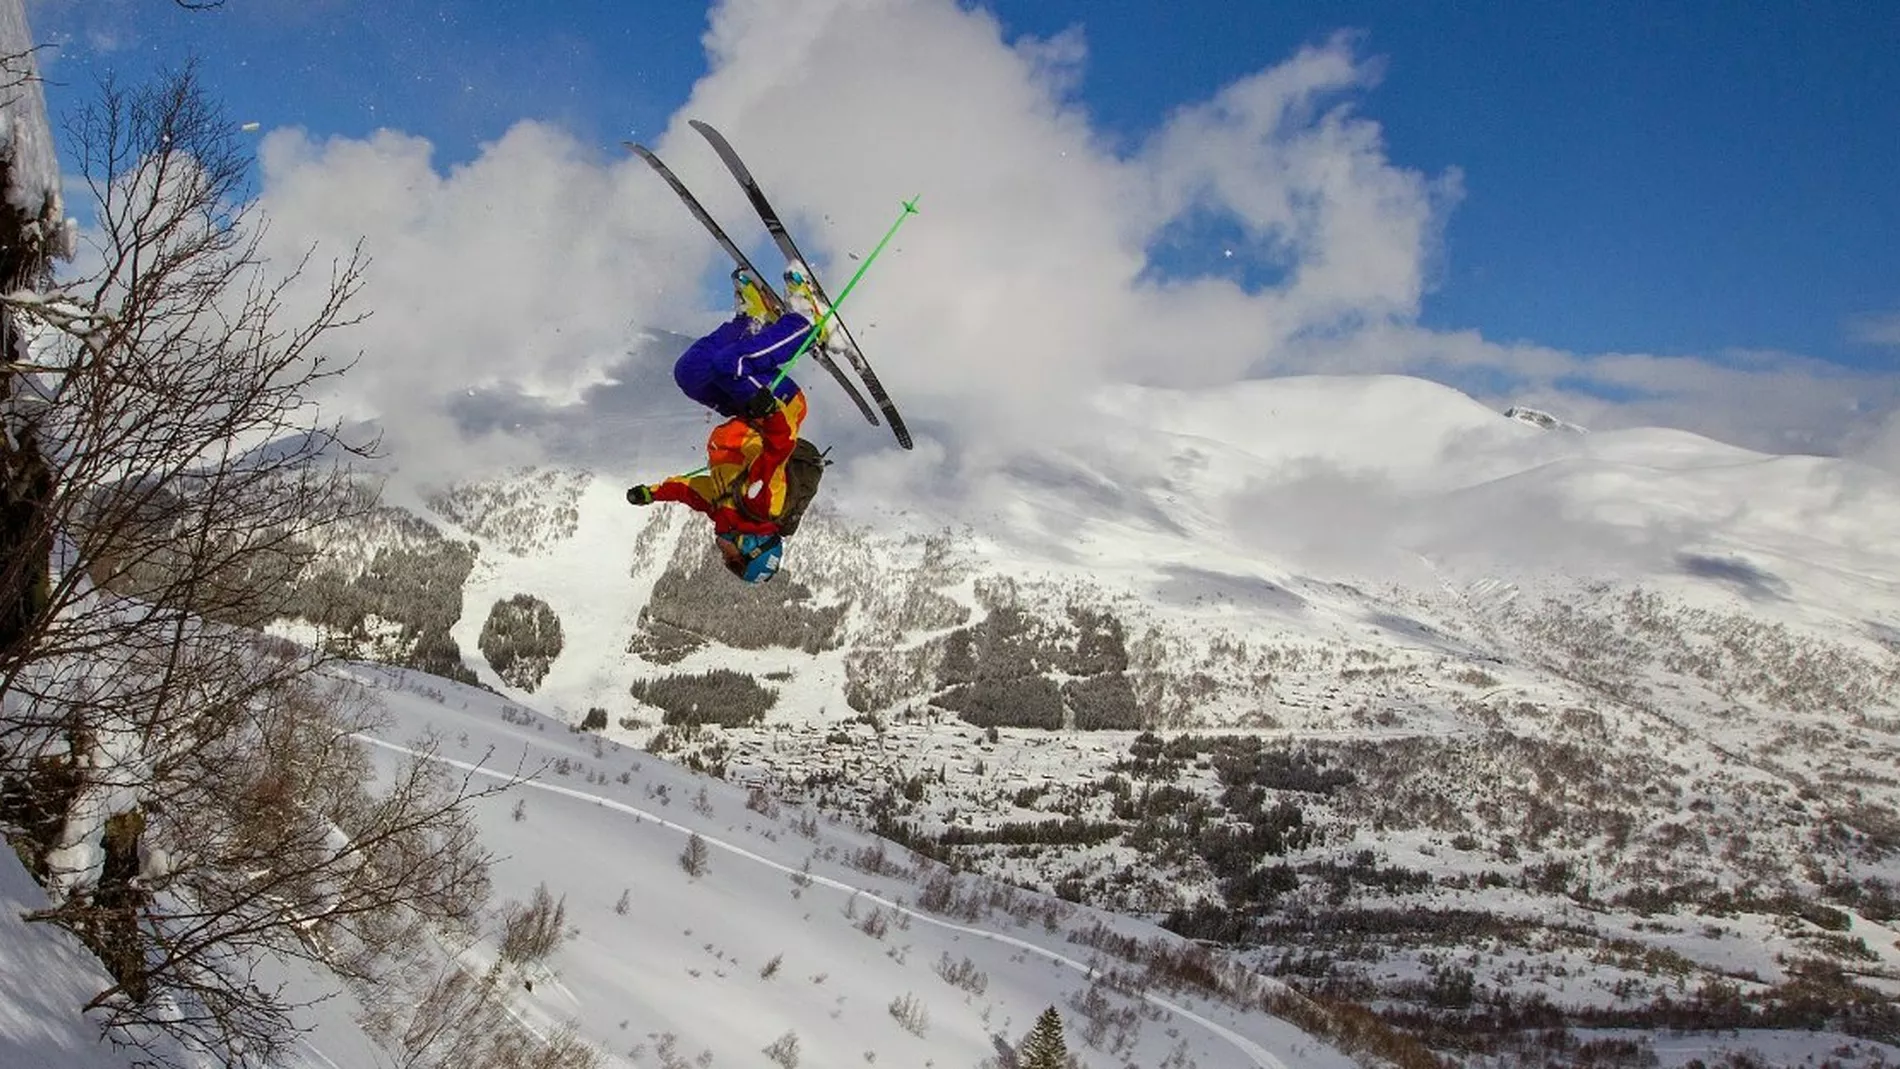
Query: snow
(46, 978)
(1378, 515)
(1795, 540)
(599, 820)
(701, 943)
(25, 136)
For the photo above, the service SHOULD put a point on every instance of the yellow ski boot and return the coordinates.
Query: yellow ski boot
(751, 298)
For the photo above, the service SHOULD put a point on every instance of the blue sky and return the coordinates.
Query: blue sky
(1663, 177)
(1639, 176)
(1703, 180)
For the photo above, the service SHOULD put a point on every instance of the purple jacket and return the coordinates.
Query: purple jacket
(728, 367)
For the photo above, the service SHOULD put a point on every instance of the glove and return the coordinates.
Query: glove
(639, 495)
(759, 405)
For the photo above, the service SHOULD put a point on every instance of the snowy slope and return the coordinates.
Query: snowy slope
(687, 959)
(1457, 602)
(46, 979)
(598, 820)
(1339, 562)
(1291, 485)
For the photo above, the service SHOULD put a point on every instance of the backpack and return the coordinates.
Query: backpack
(803, 470)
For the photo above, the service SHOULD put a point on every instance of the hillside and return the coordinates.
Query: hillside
(1428, 707)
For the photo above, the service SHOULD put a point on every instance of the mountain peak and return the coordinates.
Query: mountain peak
(1539, 418)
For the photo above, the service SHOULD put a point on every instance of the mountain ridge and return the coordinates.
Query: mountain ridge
(1496, 716)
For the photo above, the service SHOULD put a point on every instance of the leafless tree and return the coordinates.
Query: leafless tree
(189, 790)
(17, 68)
(532, 931)
(457, 1020)
(176, 397)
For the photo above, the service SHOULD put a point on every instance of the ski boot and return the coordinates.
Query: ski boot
(750, 298)
(803, 294)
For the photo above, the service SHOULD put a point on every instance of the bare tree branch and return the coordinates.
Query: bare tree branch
(188, 474)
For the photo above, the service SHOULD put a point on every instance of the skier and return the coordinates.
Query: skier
(737, 371)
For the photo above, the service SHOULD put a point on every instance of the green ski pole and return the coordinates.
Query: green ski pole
(817, 329)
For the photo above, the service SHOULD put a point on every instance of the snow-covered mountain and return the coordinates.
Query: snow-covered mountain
(1450, 711)
(1537, 417)
(793, 939)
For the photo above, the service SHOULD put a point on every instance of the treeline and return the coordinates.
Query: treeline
(747, 616)
(521, 639)
(416, 585)
(720, 696)
(999, 671)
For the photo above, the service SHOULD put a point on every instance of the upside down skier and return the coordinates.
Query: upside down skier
(738, 371)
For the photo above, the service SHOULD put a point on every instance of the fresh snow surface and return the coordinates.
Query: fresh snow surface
(45, 978)
(598, 819)
(25, 137)
(594, 820)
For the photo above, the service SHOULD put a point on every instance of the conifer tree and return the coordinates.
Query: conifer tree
(1044, 1048)
(693, 858)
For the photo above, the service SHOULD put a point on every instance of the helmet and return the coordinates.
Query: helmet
(753, 558)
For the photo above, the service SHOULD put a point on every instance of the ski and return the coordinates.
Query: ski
(739, 258)
(780, 236)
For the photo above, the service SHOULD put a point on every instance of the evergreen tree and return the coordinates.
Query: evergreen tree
(693, 858)
(1044, 1049)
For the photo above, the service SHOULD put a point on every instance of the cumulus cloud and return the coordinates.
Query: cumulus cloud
(1027, 283)
(530, 269)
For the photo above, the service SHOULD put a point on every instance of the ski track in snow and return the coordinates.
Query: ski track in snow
(1261, 1057)
(304, 1041)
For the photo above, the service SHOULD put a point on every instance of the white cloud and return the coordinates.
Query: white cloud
(1025, 283)
(528, 269)
(1881, 328)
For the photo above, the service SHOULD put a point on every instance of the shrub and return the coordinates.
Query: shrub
(784, 1050)
(533, 931)
(911, 1014)
(963, 974)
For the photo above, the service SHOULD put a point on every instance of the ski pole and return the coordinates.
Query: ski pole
(811, 336)
(910, 209)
